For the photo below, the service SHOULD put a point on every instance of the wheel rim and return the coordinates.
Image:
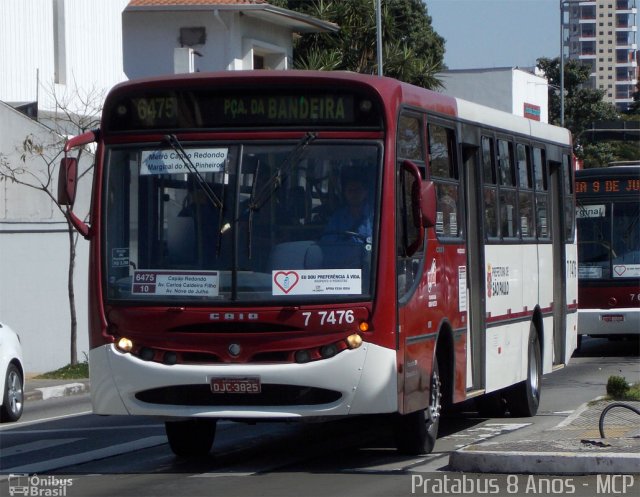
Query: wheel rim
(534, 374)
(435, 405)
(14, 392)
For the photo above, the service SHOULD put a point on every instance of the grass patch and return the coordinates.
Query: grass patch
(68, 372)
(619, 389)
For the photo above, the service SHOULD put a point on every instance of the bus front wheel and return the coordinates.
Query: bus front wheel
(192, 437)
(416, 433)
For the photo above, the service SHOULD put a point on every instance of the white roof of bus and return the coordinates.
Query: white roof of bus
(488, 116)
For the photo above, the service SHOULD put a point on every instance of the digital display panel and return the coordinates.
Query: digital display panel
(201, 109)
(613, 185)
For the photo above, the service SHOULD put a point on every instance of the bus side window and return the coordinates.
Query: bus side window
(569, 216)
(540, 184)
(444, 171)
(410, 145)
(525, 193)
(490, 197)
(410, 138)
(509, 225)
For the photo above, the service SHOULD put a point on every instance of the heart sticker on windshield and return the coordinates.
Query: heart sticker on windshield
(286, 280)
(620, 270)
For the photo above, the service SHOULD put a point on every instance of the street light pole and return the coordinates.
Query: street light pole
(562, 4)
(379, 35)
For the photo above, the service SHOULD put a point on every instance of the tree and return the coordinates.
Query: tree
(412, 50)
(34, 165)
(583, 106)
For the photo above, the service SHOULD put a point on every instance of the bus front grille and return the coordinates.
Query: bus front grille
(270, 395)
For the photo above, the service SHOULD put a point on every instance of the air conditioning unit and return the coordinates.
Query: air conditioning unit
(183, 60)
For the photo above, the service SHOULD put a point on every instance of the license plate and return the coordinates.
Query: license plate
(613, 318)
(245, 385)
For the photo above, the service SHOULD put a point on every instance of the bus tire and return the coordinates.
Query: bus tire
(192, 437)
(523, 398)
(416, 432)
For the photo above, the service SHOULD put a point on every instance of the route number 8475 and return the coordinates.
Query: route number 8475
(330, 317)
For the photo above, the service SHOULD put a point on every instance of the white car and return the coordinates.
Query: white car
(11, 375)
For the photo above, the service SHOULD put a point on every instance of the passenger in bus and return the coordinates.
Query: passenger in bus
(348, 234)
(354, 220)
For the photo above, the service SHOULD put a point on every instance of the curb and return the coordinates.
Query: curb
(566, 448)
(482, 459)
(67, 389)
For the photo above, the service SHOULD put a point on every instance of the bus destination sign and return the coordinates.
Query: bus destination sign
(199, 109)
(285, 108)
(613, 185)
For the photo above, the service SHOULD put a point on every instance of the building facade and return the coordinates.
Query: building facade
(510, 89)
(59, 56)
(604, 35)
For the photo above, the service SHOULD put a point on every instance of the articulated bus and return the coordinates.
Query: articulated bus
(608, 217)
(306, 245)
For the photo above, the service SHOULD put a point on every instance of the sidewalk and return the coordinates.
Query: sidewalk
(50, 389)
(572, 447)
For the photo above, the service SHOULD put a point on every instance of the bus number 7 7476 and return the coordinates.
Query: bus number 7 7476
(329, 317)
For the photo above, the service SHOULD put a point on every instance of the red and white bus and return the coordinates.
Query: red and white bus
(608, 217)
(231, 276)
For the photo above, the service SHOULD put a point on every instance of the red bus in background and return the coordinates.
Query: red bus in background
(608, 217)
(294, 245)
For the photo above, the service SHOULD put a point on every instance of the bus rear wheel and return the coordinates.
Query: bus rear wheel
(192, 437)
(523, 398)
(416, 433)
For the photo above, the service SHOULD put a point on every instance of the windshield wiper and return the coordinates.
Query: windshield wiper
(257, 200)
(175, 144)
(272, 185)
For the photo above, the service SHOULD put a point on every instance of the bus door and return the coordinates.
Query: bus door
(476, 280)
(416, 332)
(559, 262)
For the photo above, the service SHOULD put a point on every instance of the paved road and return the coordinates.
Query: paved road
(129, 456)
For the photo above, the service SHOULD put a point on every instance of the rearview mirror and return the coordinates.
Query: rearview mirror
(423, 196)
(67, 181)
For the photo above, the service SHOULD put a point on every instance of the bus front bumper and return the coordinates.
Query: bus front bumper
(606, 322)
(360, 381)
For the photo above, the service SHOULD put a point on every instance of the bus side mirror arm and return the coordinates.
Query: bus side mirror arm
(82, 227)
(424, 195)
(68, 182)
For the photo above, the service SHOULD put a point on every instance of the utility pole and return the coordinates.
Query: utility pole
(379, 35)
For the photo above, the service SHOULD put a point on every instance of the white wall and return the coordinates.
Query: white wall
(505, 89)
(531, 89)
(491, 87)
(150, 38)
(90, 39)
(34, 252)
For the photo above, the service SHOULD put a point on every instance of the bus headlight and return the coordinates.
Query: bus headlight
(125, 345)
(354, 341)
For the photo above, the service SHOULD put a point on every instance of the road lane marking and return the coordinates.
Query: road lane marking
(20, 424)
(91, 455)
(37, 445)
(88, 428)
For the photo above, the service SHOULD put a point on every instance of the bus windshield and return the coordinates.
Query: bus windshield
(608, 239)
(241, 221)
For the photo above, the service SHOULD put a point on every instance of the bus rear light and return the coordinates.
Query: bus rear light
(354, 341)
(124, 345)
(363, 326)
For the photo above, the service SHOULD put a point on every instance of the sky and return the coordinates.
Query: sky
(496, 33)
